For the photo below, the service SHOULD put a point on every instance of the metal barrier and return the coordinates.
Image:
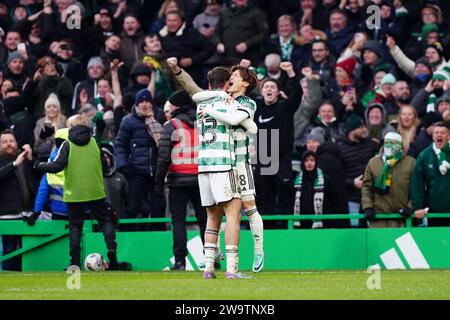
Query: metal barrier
(55, 230)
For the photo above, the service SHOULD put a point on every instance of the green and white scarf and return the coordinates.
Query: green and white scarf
(441, 155)
(319, 183)
(287, 48)
(383, 181)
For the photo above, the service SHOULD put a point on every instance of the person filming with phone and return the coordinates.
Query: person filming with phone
(17, 190)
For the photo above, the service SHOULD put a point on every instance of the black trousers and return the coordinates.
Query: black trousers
(142, 201)
(10, 244)
(178, 199)
(275, 194)
(77, 215)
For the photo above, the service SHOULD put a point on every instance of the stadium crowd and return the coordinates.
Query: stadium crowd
(362, 127)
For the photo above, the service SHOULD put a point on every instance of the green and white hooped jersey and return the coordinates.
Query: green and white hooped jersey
(216, 144)
(241, 140)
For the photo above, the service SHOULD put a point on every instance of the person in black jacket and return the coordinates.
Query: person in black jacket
(425, 136)
(177, 157)
(329, 160)
(136, 151)
(356, 151)
(17, 190)
(185, 43)
(274, 115)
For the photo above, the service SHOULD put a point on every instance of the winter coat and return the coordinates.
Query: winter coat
(188, 43)
(174, 179)
(13, 182)
(246, 24)
(37, 92)
(422, 141)
(134, 147)
(339, 41)
(130, 48)
(329, 160)
(308, 108)
(398, 196)
(428, 185)
(354, 156)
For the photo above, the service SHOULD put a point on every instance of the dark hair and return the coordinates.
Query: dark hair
(441, 124)
(248, 76)
(325, 43)
(267, 79)
(340, 11)
(8, 131)
(218, 76)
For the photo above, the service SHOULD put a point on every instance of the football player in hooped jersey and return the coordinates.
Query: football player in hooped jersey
(242, 81)
(217, 177)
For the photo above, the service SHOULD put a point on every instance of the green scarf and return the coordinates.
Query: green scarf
(318, 196)
(383, 181)
(287, 48)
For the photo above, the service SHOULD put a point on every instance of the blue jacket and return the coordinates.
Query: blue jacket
(49, 191)
(134, 147)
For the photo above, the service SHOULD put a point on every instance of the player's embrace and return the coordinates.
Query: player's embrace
(239, 114)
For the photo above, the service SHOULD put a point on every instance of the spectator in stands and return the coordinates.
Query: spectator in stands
(406, 124)
(284, 42)
(326, 118)
(83, 189)
(166, 6)
(303, 43)
(376, 121)
(339, 33)
(176, 158)
(88, 88)
(274, 113)
(136, 152)
(185, 43)
(15, 69)
(329, 160)
(355, 46)
(116, 185)
(425, 99)
(385, 95)
(55, 27)
(356, 150)
(240, 32)
(68, 64)
(386, 184)
(372, 61)
(311, 100)
(132, 40)
(51, 191)
(431, 178)
(310, 192)
(46, 80)
(272, 70)
(44, 131)
(105, 25)
(425, 136)
(18, 117)
(155, 57)
(110, 52)
(431, 19)
(310, 13)
(12, 39)
(17, 190)
(322, 61)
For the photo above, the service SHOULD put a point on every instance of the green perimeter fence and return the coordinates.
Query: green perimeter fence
(45, 246)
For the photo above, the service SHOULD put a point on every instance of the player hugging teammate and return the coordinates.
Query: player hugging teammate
(225, 176)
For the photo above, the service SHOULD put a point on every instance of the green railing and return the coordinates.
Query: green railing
(54, 230)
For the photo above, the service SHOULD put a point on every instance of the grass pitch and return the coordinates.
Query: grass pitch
(430, 284)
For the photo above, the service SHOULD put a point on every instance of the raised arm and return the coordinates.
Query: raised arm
(183, 77)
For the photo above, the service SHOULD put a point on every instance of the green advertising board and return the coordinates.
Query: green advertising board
(285, 249)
